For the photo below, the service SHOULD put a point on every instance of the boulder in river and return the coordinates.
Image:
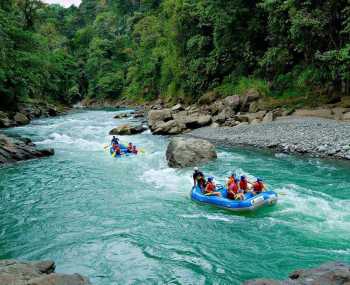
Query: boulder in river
(5, 121)
(12, 150)
(333, 273)
(121, 116)
(21, 119)
(184, 152)
(127, 130)
(13, 272)
(156, 116)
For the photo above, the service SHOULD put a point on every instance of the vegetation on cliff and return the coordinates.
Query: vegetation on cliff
(177, 49)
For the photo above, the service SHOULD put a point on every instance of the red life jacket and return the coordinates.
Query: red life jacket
(233, 187)
(258, 186)
(210, 187)
(243, 184)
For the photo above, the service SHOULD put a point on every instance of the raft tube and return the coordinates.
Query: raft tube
(123, 149)
(250, 203)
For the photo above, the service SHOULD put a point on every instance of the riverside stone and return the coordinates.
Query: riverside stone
(184, 152)
(12, 150)
(13, 272)
(333, 273)
(127, 130)
(287, 134)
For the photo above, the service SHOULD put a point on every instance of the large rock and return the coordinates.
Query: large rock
(21, 119)
(232, 102)
(196, 121)
(122, 116)
(334, 273)
(321, 113)
(128, 130)
(269, 117)
(184, 152)
(13, 272)
(250, 96)
(177, 108)
(223, 116)
(156, 116)
(12, 150)
(5, 122)
(172, 127)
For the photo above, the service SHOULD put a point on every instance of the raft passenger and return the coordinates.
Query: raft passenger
(234, 192)
(134, 149)
(210, 188)
(243, 184)
(258, 186)
(114, 141)
(130, 147)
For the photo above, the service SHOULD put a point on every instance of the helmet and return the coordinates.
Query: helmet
(259, 179)
(210, 178)
(195, 169)
(130, 142)
(134, 145)
(233, 174)
(236, 180)
(242, 177)
(114, 137)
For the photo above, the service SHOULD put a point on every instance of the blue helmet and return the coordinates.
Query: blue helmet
(259, 179)
(243, 177)
(210, 178)
(236, 180)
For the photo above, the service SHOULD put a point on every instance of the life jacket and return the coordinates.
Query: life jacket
(243, 184)
(233, 187)
(258, 186)
(230, 181)
(210, 187)
(117, 150)
(129, 148)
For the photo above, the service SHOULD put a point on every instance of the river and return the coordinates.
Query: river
(131, 221)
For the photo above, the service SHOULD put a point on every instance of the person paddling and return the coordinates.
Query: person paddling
(210, 188)
(130, 148)
(258, 186)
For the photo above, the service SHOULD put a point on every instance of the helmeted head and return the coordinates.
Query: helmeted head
(236, 180)
(195, 169)
(134, 146)
(130, 143)
(259, 179)
(210, 178)
(233, 175)
(243, 178)
(114, 137)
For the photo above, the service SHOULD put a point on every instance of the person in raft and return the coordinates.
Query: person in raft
(130, 147)
(234, 192)
(114, 141)
(134, 149)
(210, 188)
(198, 178)
(243, 184)
(117, 150)
(230, 180)
(258, 186)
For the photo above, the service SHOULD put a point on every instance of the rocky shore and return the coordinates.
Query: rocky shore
(13, 272)
(333, 273)
(24, 113)
(305, 135)
(17, 149)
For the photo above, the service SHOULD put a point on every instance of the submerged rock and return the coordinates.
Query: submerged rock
(334, 273)
(13, 272)
(183, 152)
(127, 130)
(12, 150)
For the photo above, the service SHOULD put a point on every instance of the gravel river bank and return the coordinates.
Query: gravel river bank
(305, 135)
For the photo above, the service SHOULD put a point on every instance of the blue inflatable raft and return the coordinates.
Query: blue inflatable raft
(250, 203)
(123, 149)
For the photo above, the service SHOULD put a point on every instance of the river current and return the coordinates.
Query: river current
(131, 220)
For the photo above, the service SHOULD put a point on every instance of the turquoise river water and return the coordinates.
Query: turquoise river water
(131, 221)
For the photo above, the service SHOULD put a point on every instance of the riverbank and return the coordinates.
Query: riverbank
(304, 135)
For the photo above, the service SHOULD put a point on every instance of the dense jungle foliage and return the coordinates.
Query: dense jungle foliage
(177, 49)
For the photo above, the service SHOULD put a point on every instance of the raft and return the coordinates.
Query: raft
(250, 203)
(123, 149)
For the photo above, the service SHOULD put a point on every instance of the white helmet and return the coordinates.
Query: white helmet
(195, 168)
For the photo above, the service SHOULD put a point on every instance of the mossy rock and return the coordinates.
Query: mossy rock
(208, 98)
